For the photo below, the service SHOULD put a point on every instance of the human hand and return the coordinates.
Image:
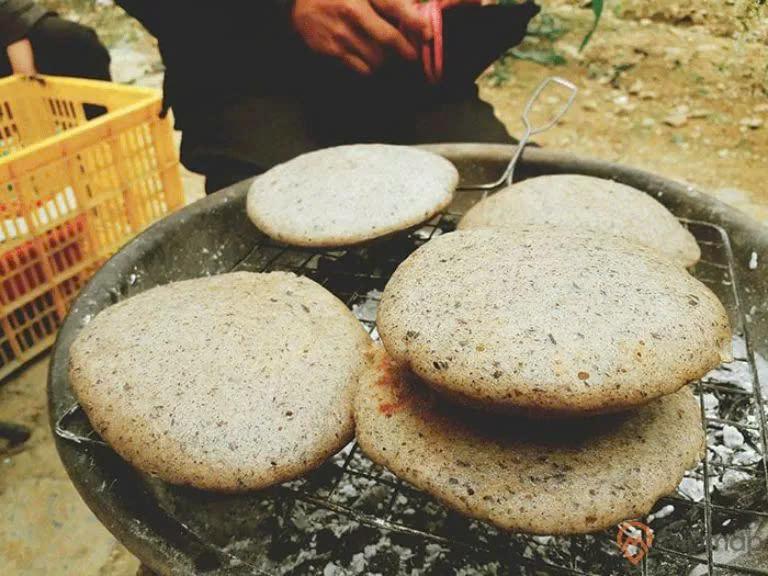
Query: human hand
(358, 32)
(21, 57)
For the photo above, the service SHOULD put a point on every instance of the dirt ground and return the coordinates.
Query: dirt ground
(676, 92)
(677, 87)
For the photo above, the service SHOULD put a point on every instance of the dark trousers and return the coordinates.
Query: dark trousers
(64, 48)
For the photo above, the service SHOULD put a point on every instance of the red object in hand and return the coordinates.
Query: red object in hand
(432, 52)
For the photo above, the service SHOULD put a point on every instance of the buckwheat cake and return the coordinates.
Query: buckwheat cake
(563, 477)
(350, 194)
(227, 383)
(586, 203)
(549, 321)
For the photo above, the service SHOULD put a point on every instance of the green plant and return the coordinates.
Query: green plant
(499, 74)
(545, 57)
(539, 44)
(548, 27)
(597, 10)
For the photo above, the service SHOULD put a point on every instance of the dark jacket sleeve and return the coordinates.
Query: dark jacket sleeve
(16, 19)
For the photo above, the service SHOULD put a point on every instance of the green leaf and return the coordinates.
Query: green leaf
(597, 9)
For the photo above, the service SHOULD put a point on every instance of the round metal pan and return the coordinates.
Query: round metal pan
(183, 531)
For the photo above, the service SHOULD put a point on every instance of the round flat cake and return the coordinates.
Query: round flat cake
(549, 321)
(563, 477)
(228, 383)
(586, 203)
(350, 194)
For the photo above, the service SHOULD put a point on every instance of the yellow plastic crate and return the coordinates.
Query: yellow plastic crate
(72, 191)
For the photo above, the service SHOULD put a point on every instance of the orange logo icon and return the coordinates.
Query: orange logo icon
(634, 540)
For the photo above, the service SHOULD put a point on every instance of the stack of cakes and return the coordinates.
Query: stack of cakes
(535, 375)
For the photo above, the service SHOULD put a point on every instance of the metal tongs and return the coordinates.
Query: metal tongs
(508, 176)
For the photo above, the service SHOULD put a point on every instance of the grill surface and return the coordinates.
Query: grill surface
(353, 517)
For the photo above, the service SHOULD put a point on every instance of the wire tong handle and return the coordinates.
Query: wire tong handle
(508, 176)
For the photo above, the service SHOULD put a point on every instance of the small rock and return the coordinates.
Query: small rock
(625, 110)
(636, 87)
(745, 457)
(710, 402)
(723, 153)
(732, 438)
(753, 123)
(692, 488)
(724, 454)
(676, 120)
(699, 113)
(590, 105)
(762, 107)
(621, 100)
(731, 479)
(648, 122)
(753, 261)
(647, 95)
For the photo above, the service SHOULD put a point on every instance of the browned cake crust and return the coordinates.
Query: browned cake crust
(562, 477)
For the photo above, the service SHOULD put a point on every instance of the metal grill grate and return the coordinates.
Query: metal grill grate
(715, 524)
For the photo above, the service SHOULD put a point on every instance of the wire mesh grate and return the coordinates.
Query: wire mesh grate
(716, 522)
(698, 530)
